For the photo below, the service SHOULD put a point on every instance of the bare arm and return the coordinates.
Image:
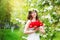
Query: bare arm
(41, 28)
(26, 29)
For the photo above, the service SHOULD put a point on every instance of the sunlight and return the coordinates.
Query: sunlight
(16, 7)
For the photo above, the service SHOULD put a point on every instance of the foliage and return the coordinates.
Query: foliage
(13, 15)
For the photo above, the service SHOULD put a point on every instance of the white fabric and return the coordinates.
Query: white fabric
(33, 36)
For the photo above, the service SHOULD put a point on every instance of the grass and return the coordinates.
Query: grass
(6, 34)
(57, 36)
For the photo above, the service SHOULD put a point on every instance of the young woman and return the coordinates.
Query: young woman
(33, 25)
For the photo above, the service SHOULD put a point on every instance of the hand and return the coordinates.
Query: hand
(43, 31)
(36, 29)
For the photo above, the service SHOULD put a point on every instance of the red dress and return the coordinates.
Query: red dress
(35, 24)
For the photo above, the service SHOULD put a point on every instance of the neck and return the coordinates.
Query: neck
(34, 19)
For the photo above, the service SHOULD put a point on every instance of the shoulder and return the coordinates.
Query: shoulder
(28, 21)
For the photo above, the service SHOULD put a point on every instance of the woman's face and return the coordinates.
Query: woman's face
(33, 14)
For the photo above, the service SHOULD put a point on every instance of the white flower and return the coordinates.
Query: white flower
(31, 9)
(58, 29)
(36, 9)
(29, 0)
(49, 2)
(54, 12)
(49, 8)
(41, 34)
(46, 33)
(17, 19)
(22, 21)
(48, 16)
(49, 27)
(43, 17)
(51, 34)
(24, 37)
(43, 2)
(44, 36)
(54, 20)
(45, 10)
(45, 27)
(38, 1)
(51, 21)
(32, 5)
(59, 19)
(49, 39)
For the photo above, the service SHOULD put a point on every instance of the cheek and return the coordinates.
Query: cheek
(34, 14)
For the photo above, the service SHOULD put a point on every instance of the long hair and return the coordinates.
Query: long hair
(30, 16)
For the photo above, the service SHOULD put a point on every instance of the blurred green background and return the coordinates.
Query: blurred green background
(13, 17)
